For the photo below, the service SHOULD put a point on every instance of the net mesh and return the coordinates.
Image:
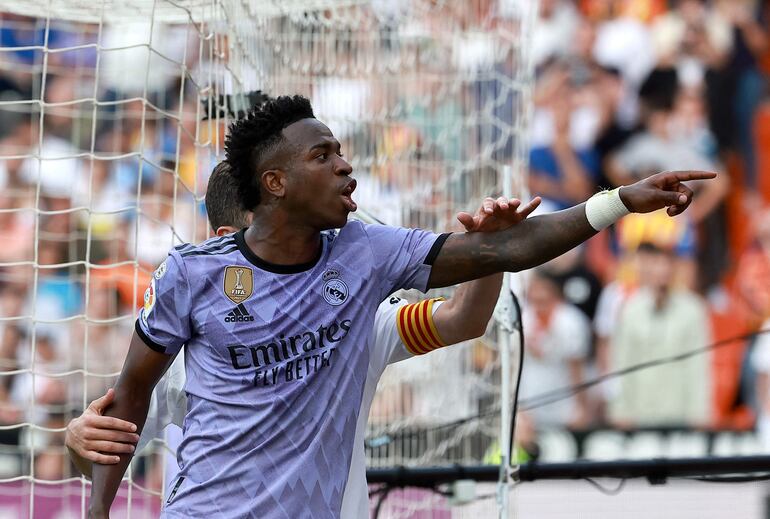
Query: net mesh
(110, 124)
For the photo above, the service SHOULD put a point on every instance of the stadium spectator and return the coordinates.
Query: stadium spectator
(746, 82)
(579, 285)
(659, 146)
(613, 130)
(562, 170)
(12, 343)
(160, 205)
(674, 133)
(752, 282)
(611, 301)
(16, 232)
(623, 42)
(557, 343)
(659, 320)
(760, 365)
(693, 37)
(753, 272)
(556, 23)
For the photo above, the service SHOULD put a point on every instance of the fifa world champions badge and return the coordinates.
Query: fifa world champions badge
(335, 290)
(238, 283)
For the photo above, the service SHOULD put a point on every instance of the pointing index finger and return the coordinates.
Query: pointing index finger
(685, 175)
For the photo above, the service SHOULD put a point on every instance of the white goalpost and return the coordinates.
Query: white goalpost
(112, 116)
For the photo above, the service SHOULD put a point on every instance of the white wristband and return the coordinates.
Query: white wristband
(605, 208)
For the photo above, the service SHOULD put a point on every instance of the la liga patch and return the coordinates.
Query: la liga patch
(149, 300)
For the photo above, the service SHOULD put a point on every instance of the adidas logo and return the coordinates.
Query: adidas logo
(239, 314)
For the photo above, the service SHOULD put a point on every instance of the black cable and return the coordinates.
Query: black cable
(519, 325)
(556, 395)
(436, 490)
(379, 439)
(730, 479)
(604, 490)
(482, 497)
(383, 495)
(377, 490)
(549, 397)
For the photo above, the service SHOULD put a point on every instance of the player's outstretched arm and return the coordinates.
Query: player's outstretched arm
(93, 438)
(541, 238)
(466, 314)
(141, 371)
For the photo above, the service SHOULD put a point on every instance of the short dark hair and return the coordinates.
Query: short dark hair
(222, 204)
(659, 90)
(251, 137)
(653, 248)
(546, 274)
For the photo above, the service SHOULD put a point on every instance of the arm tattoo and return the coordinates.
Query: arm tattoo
(531, 243)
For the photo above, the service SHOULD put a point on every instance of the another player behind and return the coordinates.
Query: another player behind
(93, 438)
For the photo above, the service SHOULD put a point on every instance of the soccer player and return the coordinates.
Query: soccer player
(273, 403)
(96, 438)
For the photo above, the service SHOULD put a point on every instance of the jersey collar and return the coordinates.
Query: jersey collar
(275, 268)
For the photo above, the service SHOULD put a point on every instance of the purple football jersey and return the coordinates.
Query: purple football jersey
(276, 360)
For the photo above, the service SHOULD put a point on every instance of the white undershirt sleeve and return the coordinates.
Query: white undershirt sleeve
(168, 403)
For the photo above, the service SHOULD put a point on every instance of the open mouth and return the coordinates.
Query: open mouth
(347, 198)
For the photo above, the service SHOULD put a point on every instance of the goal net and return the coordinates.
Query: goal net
(112, 116)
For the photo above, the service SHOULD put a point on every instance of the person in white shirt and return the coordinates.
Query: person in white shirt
(558, 338)
(661, 319)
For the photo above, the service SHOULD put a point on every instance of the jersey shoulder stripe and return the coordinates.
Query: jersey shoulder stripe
(213, 245)
(211, 242)
(219, 243)
(224, 249)
(417, 329)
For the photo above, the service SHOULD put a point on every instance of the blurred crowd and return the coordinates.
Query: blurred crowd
(93, 194)
(625, 89)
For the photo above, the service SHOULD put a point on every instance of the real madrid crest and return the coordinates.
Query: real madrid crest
(238, 283)
(335, 291)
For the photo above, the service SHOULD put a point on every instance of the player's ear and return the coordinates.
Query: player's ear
(225, 229)
(274, 182)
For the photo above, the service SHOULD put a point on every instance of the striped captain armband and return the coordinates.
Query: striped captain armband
(416, 327)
